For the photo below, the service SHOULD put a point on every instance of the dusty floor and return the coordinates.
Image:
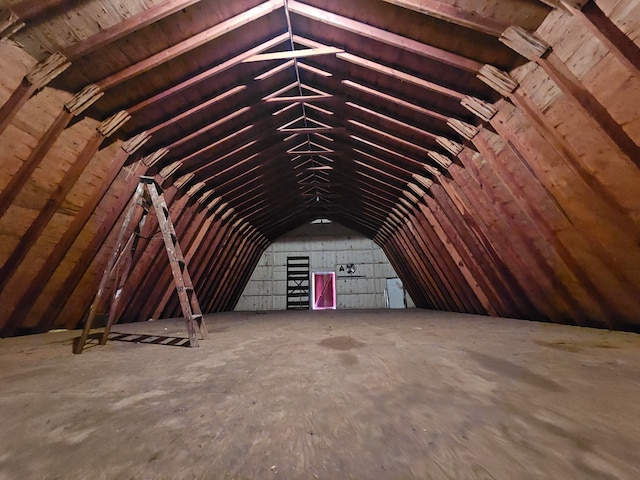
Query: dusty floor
(326, 395)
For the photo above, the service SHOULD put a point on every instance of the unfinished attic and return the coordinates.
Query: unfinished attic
(485, 153)
(492, 153)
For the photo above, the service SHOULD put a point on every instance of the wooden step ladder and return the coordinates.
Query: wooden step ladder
(147, 194)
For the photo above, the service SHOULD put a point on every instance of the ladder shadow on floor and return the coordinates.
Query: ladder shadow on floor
(149, 339)
(93, 340)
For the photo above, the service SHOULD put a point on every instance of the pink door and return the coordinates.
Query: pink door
(323, 286)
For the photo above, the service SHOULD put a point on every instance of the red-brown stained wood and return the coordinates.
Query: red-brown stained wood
(543, 223)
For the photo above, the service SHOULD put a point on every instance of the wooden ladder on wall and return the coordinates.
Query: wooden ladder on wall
(147, 194)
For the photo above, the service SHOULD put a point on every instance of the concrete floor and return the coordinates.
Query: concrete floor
(327, 395)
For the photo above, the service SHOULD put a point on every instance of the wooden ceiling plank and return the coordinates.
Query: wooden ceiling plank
(453, 14)
(616, 41)
(28, 9)
(190, 44)
(384, 36)
(190, 82)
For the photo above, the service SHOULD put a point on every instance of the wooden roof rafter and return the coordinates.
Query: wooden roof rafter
(384, 36)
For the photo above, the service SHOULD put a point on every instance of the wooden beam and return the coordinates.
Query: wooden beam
(37, 78)
(411, 161)
(314, 70)
(311, 152)
(309, 129)
(275, 70)
(37, 285)
(616, 41)
(389, 137)
(452, 14)
(125, 27)
(299, 98)
(396, 100)
(385, 70)
(534, 49)
(212, 126)
(190, 44)
(401, 124)
(28, 9)
(190, 82)
(198, 108)
(311, 52)
(383, 36)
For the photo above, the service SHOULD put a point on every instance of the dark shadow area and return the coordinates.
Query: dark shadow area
(93, 340)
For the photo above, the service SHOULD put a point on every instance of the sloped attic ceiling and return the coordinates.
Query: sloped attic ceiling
(260, 116)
